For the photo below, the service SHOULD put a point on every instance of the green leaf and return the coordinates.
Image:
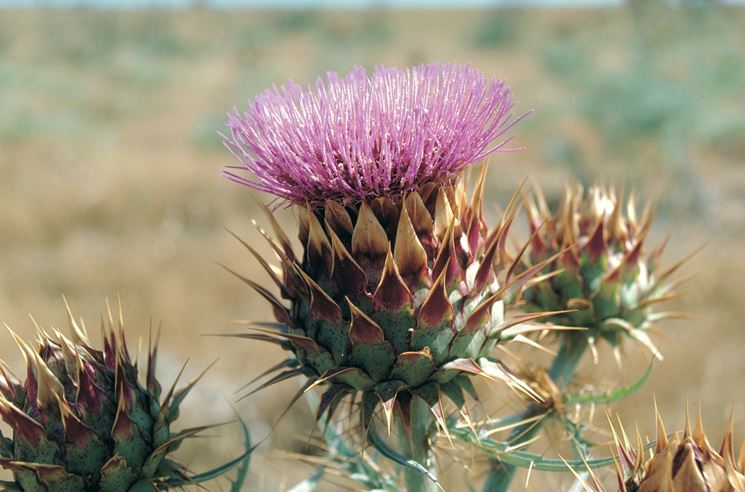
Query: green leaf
(378, 443)
(610, 396)
(437, 338)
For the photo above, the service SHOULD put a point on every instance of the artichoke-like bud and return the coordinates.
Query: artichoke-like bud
(82, 421)
(395, 299)
(679, 464)
(604, 272)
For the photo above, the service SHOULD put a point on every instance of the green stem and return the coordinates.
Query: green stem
(562, 371)
(414, 443)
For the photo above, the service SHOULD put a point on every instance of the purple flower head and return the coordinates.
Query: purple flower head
(363, 136)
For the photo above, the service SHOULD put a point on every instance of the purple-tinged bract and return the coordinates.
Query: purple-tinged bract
(360, 137)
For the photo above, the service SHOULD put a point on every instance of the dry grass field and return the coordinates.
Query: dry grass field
(110, 175)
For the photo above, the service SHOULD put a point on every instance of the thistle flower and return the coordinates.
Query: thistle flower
(82, 421)
(361, 137)
(678, 464)
(604, 271)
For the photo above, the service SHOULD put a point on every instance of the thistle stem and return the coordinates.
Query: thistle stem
(562, 371)
(414, 443)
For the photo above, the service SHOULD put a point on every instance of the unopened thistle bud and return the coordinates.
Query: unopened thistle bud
(604, 271)
(82, 420)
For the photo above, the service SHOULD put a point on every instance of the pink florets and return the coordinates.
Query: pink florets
(360, 137)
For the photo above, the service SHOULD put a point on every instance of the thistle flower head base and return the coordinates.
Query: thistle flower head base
(395, 300)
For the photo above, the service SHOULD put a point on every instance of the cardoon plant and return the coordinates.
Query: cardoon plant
(398, 294)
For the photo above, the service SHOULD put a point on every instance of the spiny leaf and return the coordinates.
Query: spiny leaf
(368, 237)
(526, 318)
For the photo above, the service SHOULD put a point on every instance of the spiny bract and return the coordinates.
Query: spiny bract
(687, 464)
(603, 272)
(394, 298)
(82, 421)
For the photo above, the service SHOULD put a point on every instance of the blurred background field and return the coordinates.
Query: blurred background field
(110, 168)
